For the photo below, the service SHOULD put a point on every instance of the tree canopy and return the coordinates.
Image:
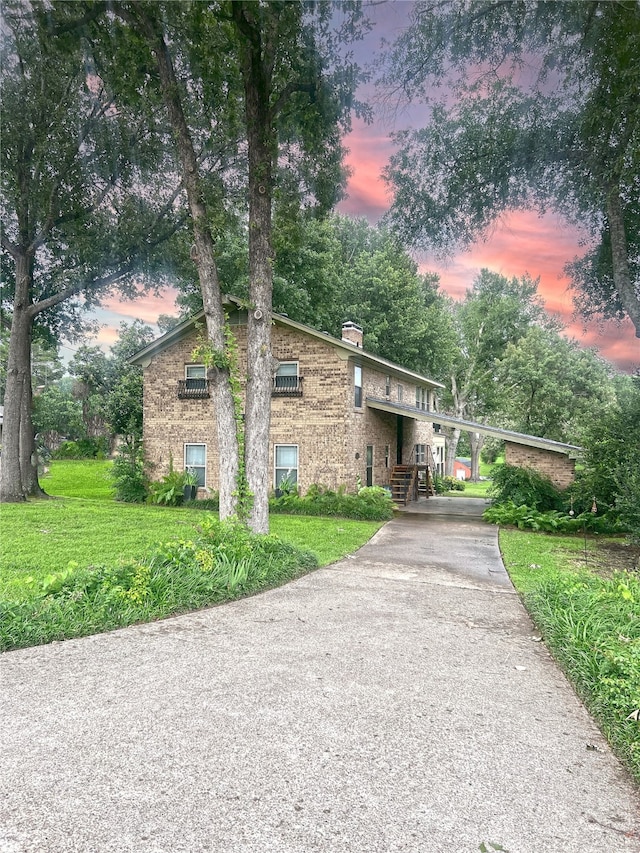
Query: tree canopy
(541, 108)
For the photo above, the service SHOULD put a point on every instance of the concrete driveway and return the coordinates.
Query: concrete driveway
(395, 701)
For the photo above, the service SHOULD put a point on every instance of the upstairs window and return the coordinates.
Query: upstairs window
(357, 383)
(400, 393)
(195, 383)
(387, 387)
(287, 381)
(422, 399)
(195, 375)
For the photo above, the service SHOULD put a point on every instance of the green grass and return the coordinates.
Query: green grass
(591, 624)
(44, 536)
(472, 490)
(84, 478)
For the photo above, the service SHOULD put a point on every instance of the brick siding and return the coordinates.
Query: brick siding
(329, 431)
(556, 467)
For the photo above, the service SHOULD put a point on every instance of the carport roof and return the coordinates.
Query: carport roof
(471, 426)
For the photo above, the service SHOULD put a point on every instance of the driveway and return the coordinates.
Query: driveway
(394, 701)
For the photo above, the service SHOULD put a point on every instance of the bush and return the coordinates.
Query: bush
(128, 474)
(221, 561)
(442, 485)
(84, 448)
(371, 503)
(524, 486)
(168, 490)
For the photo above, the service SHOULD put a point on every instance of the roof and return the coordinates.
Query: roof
(171, 337)
(471, 426)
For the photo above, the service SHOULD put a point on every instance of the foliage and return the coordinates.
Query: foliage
(549, 385)
(592, 626)
(128, 472)
(442, 485)
(524, 486)
(549, 521)
(537, 110)
(56, 416)
(84, 448)
(168, 490)
(221, 561)
(371, 503)
(611, 459)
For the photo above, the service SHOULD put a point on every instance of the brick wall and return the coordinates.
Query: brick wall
(329, 431)
(556, 467)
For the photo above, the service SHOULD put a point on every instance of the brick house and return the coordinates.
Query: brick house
(339, 415)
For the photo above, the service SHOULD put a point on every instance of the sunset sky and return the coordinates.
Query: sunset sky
(522, 243)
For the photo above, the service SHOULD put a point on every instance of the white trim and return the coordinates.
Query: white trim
(277, 467)
(186, 371)
(196, 444)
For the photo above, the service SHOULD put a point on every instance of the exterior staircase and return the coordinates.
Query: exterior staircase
(409, 482)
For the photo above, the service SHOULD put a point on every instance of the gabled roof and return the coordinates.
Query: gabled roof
(171, 337)
(471, 426)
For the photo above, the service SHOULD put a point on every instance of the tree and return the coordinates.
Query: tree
(505, 136)
(495, 312)
(294, 109)
(550, 386)
(612, 464)
(80, 211)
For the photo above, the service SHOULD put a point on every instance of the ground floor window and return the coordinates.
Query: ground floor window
(421, 454)
(286, 464)
(369, 464)
(386, 456)
(195, 458)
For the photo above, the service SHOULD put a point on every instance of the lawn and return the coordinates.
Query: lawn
(44, 536)
(584, 596)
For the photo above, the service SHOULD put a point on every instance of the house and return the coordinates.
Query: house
(340, 416)
(462, 468)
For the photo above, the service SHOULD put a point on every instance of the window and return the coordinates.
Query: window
(369, 464)
(286, 378)
(195, 384)
(286, 463)
(195, 458)
(422, 399)
(387, 387)
(421, 454)
(196, 375)
(386, 456)
(400, 392)
(357, 382)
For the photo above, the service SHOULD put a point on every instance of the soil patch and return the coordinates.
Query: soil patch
(606, 557)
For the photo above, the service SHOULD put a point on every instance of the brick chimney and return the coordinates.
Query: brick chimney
(352, 334)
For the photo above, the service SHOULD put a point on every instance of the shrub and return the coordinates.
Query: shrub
(128, 474)
(524, 486)
(442, 485)
(84, 448)
(371, 503)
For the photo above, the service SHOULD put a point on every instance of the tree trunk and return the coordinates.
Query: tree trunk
(261, 144)
(15, 478)
(620, 258)
(203, 253)
(476, 440)
(451, 439)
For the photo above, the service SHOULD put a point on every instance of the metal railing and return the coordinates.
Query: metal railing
(193, 389)
(287, 386)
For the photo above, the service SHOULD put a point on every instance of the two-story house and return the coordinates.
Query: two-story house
(339, 416)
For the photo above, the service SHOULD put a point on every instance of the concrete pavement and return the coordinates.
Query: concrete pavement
(394, 701)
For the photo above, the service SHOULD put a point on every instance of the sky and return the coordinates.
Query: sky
(522, 242)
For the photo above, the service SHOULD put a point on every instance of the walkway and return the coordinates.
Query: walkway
(395, 701)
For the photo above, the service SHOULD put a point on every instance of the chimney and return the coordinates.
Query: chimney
(352, 334)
